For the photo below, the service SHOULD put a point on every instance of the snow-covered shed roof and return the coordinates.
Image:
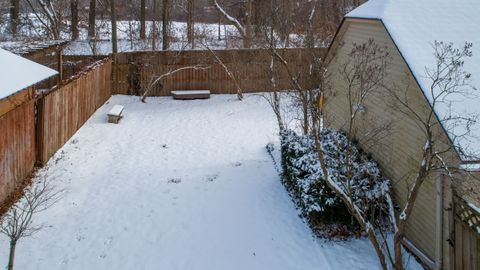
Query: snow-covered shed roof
(25, 48)
(415, 25)
(18, 73)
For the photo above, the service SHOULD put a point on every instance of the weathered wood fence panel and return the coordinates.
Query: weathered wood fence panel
(467, 237)
(17, 147)
(64, 109)
(251, 68)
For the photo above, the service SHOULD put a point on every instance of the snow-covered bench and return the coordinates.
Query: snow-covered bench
(115, 114)
(191, 94)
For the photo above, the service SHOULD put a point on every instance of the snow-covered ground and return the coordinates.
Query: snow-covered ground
(129, 39)
(128, 31)
(177, 185)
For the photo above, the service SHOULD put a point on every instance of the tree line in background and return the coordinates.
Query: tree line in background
(314, 20)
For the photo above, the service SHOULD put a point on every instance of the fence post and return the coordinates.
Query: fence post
(39, 110)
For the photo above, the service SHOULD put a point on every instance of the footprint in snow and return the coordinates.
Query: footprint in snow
(108, 241)
(80, 238)
(212, 177)
(64, 262)
(174, 181)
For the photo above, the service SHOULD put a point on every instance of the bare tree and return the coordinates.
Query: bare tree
(229, 73)
(92, 41)
(49, 14)
(191, 22)
(165, 24)
(448, 80)
(156, 80)
(301, 93)
(92, 12)
(154, 25)
(143, 17)
(14, 16)
(363, 72)
(74, 19)
(113, 19)
(273, 97)
(309, 39)
(244, 30)
(18, 222)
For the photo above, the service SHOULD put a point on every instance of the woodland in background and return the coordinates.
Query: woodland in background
(66, 19)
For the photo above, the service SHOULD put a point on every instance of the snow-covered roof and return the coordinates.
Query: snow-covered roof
(415, 25)
(18, 73)
(27, 47)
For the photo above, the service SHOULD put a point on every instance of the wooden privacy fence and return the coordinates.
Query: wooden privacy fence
(466, 247)
(32, 130)
(251, 67)
(65, 108)
(17, 146)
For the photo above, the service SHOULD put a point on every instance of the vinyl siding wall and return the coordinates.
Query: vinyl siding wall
(399, 141)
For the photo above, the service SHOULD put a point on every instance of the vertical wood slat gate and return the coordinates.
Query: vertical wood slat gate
(466, 248)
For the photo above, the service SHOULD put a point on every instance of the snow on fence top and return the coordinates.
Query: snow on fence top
(18, 73)
(415, 25)
(24, 48)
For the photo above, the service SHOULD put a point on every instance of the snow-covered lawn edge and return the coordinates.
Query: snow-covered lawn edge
(177, 185)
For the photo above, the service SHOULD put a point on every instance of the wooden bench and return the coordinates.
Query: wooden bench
(115, 114)
(191, 94)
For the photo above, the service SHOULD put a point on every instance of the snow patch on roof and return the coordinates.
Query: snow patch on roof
(415, 25)
(18, 73)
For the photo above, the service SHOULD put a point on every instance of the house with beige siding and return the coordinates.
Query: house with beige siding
(443, 231)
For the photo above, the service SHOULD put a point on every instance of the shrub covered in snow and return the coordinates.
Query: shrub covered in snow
(346, 163)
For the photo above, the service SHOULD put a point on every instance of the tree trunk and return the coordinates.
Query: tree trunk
(143, 18)
(14, 11)
(74, 21)
(91, 18)
(165, 21)
(397, 247)
(219, 27)
(113, 18)
(247, 41)
(154, 25)
(310, 42)
(190, 23)
(11, 258)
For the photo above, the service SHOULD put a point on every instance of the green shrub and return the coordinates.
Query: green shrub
(304, 178)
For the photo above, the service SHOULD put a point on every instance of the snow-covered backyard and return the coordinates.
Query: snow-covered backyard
(177, 185)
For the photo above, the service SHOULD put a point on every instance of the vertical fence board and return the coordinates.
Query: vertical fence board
(17, 147)
(251, 68)
(467, 236)
(67, 107)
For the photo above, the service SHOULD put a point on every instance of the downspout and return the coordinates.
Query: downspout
(439, 222)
